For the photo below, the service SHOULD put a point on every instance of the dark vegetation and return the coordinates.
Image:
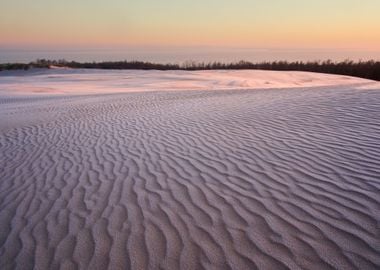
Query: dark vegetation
(363, 69)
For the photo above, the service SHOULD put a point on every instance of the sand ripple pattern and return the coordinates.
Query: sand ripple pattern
(260, 179)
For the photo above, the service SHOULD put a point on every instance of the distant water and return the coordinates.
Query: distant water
(181, 55)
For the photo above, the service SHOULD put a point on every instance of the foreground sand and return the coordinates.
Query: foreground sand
(228, 179)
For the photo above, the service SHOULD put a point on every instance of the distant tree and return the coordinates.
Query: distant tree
(364, 69)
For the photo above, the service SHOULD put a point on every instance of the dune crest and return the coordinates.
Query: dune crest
(84, 81)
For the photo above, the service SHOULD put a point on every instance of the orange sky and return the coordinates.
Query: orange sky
(347, 24)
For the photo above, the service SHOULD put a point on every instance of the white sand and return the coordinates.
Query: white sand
(94, 176)
(82, 81)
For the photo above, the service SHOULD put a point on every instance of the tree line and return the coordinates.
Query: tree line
(363, 69)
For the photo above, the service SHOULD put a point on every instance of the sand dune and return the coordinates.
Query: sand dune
(84, 81)
(229, 179)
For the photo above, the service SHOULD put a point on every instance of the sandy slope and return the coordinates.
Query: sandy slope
(82, 81)
(229, 179)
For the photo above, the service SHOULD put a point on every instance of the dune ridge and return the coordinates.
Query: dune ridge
(227, 179)
(93, 81)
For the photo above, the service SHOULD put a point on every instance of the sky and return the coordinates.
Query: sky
(280, 24)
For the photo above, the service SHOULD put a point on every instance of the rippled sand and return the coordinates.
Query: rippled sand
(231, 179)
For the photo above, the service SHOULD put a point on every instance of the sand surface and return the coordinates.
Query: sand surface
(98, 170)
(87, 81)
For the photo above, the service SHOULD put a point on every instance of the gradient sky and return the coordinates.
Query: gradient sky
(351, 24)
